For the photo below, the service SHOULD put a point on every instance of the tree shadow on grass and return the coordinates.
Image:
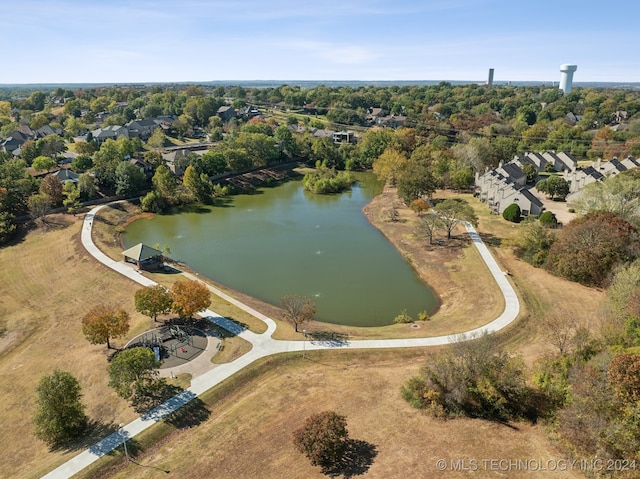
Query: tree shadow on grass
(155, 393)
(329, 338)
(190, 415)
(95, 431)
(491, 240)
(356, 459)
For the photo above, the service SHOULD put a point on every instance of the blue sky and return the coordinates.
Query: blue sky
(84, 41)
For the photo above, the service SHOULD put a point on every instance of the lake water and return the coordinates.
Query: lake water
(283, 240)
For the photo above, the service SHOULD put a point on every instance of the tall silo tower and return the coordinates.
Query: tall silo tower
(566, 79)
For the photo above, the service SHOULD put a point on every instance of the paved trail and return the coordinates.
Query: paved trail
(263, 345)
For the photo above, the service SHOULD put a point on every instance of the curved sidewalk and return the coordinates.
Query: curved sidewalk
(263, 345)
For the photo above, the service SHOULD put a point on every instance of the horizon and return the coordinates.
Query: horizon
(157, 41)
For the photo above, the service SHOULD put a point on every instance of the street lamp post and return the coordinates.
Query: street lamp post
(304, 343)
(124, 441)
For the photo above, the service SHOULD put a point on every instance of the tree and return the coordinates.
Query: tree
(297, 309)
(101, 324)
(420, 206)
(51, 145)
(72, 196)
(189, 297)
(428, 225)
(462, 178)
(452, 211)
(414, 181)
(389, 165)
(164, 183)
(588, 249)
(152, 301)
(198, 186)
(529, 170)
(157, 139)
(560, 327)
(153, 202)
(43, 163)
(534, 242)
(29, 151)
(285, 139)
(512, 213)
(624, 374)
(132, 371)
(7, 226)
(105, 162)
(554, 187)
(325, 151)
(212, 163)
(52, 186)
(39, 205)
(86, 185)
(322, 438)
(59, 411)
(619, 194)
(81, 163)
(129, 179)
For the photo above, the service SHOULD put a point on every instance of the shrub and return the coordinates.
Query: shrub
(403, 318)
(475, 380)
(548, 219)
(326, 180)
(588, 249)
(512, 213)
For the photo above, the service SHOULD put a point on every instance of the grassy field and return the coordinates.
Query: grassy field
(48, 280)
(248, 432)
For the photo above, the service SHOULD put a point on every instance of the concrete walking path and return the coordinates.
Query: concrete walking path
(263, 346)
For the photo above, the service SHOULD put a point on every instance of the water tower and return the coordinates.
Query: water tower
(566, 79)
(490, 78)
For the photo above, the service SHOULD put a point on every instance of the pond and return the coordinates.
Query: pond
(283, 240)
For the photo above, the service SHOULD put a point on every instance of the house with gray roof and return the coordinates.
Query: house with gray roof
(65, 176)
(113, 132)
(226, 113)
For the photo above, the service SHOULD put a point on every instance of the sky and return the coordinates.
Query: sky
(117, 41)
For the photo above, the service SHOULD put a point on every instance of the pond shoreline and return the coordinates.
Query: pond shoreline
(431, 263)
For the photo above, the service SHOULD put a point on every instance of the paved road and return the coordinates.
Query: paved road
(263, 345)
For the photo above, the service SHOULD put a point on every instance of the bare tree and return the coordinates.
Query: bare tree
(298, 309)
(428, 225)
(560, 327)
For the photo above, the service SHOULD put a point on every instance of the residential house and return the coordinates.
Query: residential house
(391, 121)
(177, 161)
(17, 138)
(65, 176)
(142, 129)
(344, 137)
(373, 113)
(47, 130)
(113, 132)
(146, 168)
(226, 113)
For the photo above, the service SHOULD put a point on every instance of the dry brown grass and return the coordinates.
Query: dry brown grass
(249, 432)
(47, 283)
(231, 349)
(48, 280)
